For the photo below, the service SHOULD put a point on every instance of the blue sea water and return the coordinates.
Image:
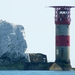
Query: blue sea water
(37, 72)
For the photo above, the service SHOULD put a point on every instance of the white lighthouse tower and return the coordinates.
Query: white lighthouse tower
(62, 21)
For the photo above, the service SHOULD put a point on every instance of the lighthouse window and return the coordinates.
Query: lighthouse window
(60, 12)
(63, 12)
(67, 26)
(60, 19)
(57, 8)
(57, 51)
(68, 16)
(56, 12)
(67, 41)
(55, 15)
(68, 12)
(57, 26)
(65, 8)
(62, 51)
(62, 33)
(56, 41)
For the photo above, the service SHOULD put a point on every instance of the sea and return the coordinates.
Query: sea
(37, 72)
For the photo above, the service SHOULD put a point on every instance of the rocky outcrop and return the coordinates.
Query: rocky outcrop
(60, 66)
(64, 66)
(13, 54)
(55, 67)
(6, 63)
(12, 42)
(39, 66)
(38, 57)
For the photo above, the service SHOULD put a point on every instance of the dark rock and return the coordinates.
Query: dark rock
(13, 58)
(65, 66)
(37, 57)
(39, 66)
(56, 67)
(35, 67)
(61, 66)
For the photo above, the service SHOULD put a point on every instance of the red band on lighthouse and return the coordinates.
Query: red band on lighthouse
(62, 40)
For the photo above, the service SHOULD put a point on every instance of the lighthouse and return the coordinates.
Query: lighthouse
(62, 25)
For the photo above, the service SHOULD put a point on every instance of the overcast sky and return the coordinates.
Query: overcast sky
(38, 22)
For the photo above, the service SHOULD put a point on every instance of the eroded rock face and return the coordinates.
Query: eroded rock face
(12, 41)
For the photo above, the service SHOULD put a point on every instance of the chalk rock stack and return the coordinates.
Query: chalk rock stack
(12, 42)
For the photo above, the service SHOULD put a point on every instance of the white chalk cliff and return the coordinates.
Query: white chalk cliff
(12, 41)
